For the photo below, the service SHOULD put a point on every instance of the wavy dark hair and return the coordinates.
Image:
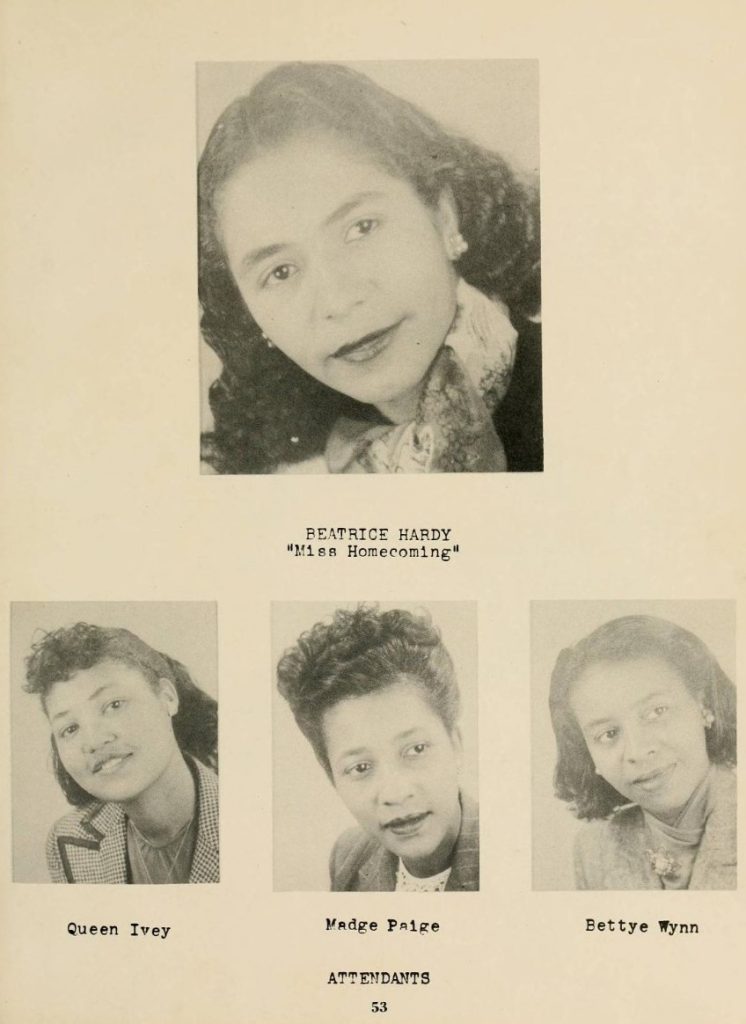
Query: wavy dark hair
(360, 652)
(262, 399)
(58, 655)
(626, 639)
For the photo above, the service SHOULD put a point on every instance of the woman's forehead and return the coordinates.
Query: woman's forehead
(86, 684)
(614, 687)
(379, 718)
(301, 180)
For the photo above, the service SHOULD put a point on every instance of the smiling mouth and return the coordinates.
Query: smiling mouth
(654, 780)
(367, 347)
(408, 826)
(110, 764)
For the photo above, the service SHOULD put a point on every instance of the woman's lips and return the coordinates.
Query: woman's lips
(408, 826)
(367, 347)
(652, 781)
(110, 765)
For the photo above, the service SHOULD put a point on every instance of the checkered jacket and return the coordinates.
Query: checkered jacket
(89, 845)
(360, 864)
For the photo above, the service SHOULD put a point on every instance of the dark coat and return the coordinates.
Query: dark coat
(519, 419)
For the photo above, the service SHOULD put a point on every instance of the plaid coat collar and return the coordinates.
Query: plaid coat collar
(370, 867)
(89, 846)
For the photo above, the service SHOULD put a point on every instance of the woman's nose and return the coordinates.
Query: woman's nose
(338, 290)
(638, 745)
(95, 736)
(395, 787)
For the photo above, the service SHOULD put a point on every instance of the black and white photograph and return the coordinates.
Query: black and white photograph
(375, 757)
(642, 705)
(250, 247)
(115, 747)
(369, 267)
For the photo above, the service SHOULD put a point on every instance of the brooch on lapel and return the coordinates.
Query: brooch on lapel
(663, 863)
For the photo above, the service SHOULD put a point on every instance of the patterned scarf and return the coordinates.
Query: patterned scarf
(452, 431)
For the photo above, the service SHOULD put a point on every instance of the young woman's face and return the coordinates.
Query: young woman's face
(644, 730)
(343, 267)
(112, 730)
(395, 766)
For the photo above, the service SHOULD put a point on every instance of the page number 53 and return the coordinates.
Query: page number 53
(378, 1007)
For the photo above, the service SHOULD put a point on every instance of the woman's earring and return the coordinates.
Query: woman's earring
(266, 340)
(708, 718)
(457, 245)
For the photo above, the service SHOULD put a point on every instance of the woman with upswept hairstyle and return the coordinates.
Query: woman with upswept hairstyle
(645, 721)
(370, 283)
(375, 694)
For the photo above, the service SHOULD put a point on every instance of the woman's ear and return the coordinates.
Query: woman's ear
(458, 745)
(169, 696)
(448, 223)
(447, 214)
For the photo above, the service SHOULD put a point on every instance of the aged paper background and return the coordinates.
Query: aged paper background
(642, 169)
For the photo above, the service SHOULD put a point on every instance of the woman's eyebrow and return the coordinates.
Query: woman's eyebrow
(349, 205)
(638, 703)
(594, 724)
(96, 693)
(255, 256)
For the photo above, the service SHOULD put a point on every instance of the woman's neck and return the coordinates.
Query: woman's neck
(403, 408)
(162, 810)
(442, 857)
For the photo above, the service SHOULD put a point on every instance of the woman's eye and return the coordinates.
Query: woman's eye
(416, 750)
(361, 228)
(279, 274)
(656, 712)
(607, 736)
(68, 731)
(359, 769)
(114, 705)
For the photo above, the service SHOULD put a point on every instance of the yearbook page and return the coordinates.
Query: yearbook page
(453, 735)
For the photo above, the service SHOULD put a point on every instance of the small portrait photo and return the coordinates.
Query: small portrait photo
(375, 747)
(634, 744)
(114, 733)
(369, 267)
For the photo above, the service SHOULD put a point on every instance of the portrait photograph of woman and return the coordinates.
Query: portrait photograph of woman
(374, 739)
(643, 709)
(115, 743)
(369, 267)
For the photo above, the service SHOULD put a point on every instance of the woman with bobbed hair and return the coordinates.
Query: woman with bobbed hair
(370, 283)
(134, 747)
(645, 722)
(375, 694)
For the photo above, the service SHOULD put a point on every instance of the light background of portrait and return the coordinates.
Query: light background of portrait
(642, 188)
(502, 114)
(559, 624)
(186, 631)
(308, 815)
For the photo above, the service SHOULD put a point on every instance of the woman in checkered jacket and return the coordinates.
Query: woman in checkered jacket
(134, 745)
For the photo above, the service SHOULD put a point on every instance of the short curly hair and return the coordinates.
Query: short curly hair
(625, 639)
(363, 651)
(59, 655)
(266, 410)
